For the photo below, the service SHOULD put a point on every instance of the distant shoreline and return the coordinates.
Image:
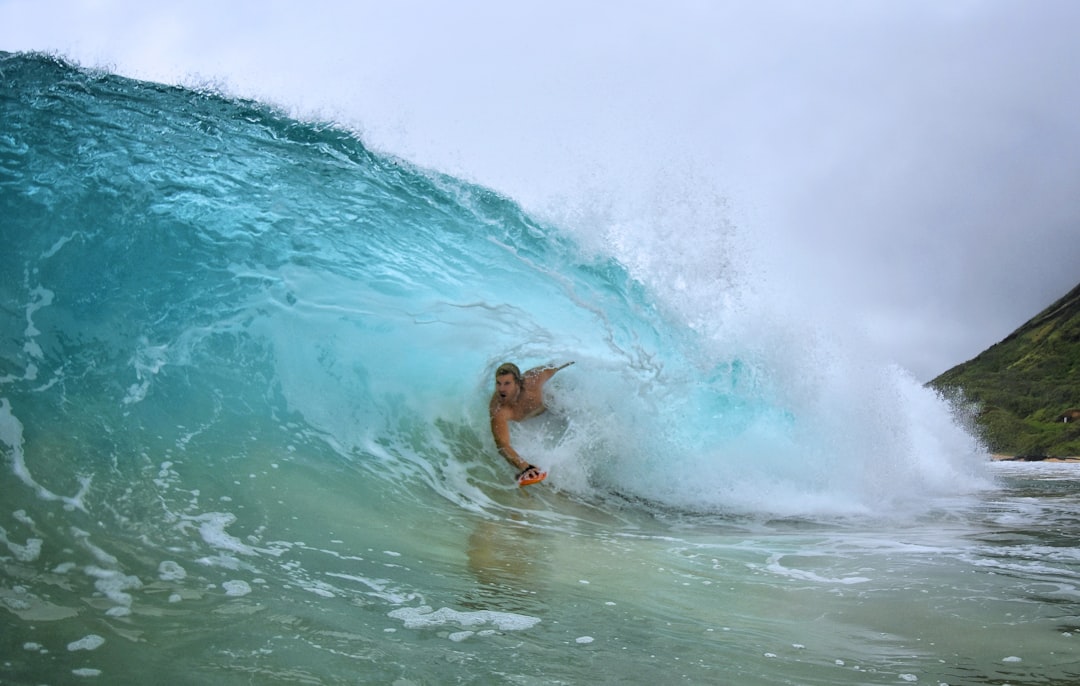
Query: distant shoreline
(1032, 458)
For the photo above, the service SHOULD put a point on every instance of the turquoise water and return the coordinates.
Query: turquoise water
(243, 385)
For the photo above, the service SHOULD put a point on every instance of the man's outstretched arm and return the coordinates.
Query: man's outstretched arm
(546, 372)
(500, 430)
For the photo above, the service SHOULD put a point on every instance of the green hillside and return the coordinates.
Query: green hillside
(1026, 389)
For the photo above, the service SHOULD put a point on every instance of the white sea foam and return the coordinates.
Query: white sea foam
(775, 565)
(423, 617)
(236, 587)
(320, 590)
(88, 642)
(83, 537)
(147, 361)
(379, 588)
(41, 297)
(60, 242)
(212, 527)
(11, 433)
(114, 584)
(171, 571)
(27, 552)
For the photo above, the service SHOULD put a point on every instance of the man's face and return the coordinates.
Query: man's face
(507, 388)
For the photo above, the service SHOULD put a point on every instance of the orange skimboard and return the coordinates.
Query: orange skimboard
(535, 480)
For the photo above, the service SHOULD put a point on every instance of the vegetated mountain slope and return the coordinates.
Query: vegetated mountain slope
(1026, 388)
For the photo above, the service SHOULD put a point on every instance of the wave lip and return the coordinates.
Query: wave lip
(198, 267)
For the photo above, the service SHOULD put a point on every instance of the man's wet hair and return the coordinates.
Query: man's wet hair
(512, 369)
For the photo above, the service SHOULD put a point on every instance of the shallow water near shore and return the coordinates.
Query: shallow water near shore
(350, 587)
(243, 391)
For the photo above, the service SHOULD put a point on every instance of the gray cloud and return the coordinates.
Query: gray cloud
(911, 167)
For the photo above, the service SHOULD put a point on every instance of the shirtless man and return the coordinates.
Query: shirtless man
(515, 399)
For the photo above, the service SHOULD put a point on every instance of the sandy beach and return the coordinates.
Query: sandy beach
(1023, 458)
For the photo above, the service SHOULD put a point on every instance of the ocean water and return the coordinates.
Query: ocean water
(243, 381)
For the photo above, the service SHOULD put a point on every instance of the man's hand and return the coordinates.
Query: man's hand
(530, 472)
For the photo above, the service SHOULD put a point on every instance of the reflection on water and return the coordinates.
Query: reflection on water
(510, 561)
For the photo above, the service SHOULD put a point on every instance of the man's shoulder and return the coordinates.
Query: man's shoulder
(536, 374)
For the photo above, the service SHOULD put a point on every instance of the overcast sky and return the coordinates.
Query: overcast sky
(914, 164)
